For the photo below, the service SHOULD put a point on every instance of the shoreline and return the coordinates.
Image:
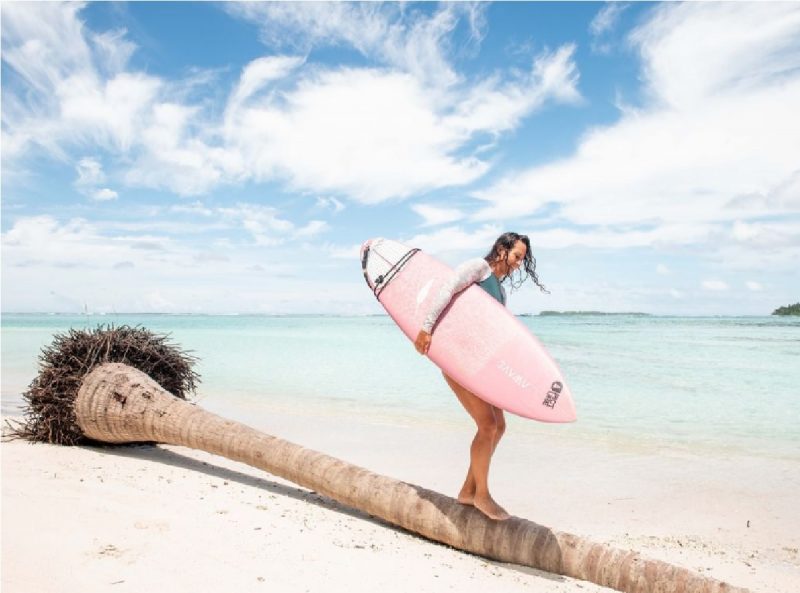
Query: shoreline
(254, 409)
(120, 513)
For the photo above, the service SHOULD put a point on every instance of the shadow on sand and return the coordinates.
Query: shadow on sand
(457, 514)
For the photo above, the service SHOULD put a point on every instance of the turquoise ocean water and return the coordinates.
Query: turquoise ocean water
(683, 383)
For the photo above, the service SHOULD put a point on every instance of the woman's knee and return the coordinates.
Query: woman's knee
(501, 428)
(489, 427)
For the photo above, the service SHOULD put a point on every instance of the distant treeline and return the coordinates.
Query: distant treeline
(788, 310)
(545, 313)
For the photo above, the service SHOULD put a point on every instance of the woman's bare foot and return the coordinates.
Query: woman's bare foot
(490, 508)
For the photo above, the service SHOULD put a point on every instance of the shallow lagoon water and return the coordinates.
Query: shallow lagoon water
(680, 383)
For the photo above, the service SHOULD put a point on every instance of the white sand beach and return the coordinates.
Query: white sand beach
(140, 518)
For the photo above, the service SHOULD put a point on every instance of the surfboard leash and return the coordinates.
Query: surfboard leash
(382, 281)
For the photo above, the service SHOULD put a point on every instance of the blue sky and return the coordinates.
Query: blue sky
(220, 158)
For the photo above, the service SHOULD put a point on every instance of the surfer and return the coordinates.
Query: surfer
(510, 252)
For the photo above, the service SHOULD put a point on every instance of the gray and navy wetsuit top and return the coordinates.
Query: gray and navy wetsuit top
(474, 271)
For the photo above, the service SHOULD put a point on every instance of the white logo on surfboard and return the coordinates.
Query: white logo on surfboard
(423, 292)
(513, 375)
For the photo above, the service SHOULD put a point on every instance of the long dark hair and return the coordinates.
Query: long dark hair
(502, 246)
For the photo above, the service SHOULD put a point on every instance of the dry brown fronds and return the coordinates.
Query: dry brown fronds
(49, 413)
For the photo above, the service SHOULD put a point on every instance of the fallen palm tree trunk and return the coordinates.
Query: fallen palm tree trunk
(119, 404)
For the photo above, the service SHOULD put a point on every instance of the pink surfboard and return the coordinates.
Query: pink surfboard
(476, 341)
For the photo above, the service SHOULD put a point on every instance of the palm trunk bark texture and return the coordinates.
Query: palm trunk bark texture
(119, 404)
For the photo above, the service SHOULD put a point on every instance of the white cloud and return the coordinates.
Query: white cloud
(603, 24)
(342, 252)
(73, 91)
(754, 286)
(112, 50)
(262, 222)
(193, 208)
(90, 177)
(312, 229)
(49, 265)
(606, 18)
(267, 226)
(696, 51)
(90, 172)
(666, 166)
(354, 132)
(175, 155)
(715, 285)
(455, 243)
(759, 246)
(44, 43)
(105, 194)
(493, 106)
(603, 237)
(78, 92)
(451, 243)
(398, 36)
(108, 113)
(767, 235)
(44, 241)
(257, 74)
(358, 132)
(717, 141)
(435, 215)
(330, 203)
(663, 270)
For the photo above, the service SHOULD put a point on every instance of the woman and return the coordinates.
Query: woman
(509, 252)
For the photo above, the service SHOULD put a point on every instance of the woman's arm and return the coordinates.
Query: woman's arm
(474, 270)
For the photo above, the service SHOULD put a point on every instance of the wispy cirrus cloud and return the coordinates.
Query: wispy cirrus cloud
(603, 24)
(412, 40)
(77, 91)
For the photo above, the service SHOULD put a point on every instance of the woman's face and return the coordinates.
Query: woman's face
(516, 256)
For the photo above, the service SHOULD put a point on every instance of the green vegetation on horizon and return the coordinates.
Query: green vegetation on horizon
(788, 310)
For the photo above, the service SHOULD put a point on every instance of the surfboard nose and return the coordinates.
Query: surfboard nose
(364, 246)
(563, 406)
(568, 412)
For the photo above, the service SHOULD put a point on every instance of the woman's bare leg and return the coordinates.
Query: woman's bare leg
(467, 493)
(491, 425)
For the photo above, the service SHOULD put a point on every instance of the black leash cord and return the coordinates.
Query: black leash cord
(382, 281)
